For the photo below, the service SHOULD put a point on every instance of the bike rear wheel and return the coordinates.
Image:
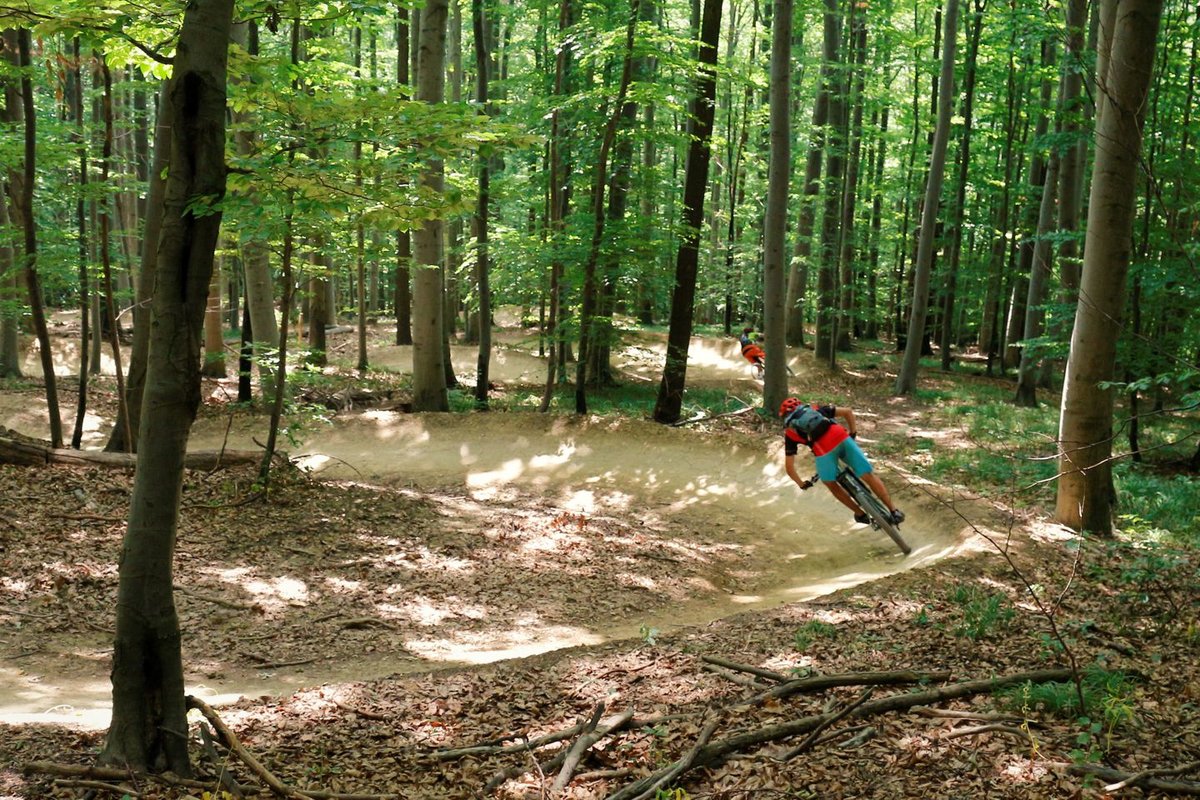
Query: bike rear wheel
(868, 502)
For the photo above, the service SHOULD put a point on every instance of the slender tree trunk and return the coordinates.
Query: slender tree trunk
(960, 189)
(75, 101)
(906, 381)
(402, 280)
(802, 253)
(871, 330)
(587, 323)
(557, 199)
(1085, 490)
(824, 342)
(10, 290)
(482, 254)
(844, 323)
(670, 391)
(110, 305)
(775, 223)
(429, 366)
(149, 722)
(20, 187)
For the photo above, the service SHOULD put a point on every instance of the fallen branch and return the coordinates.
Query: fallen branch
(584, 743)
(231, 742)
(1143, 782)
(980, 716)
(732, 677)
(358, 623)
(220, 601)
(618, 723)
(265, 664)
(837, 717)
(717, 752)
(752, 670)
(817, 683)
(994, 727)
(97, 786)
(26, 451)
(106, 774)
(1138, 778)
(646, 787)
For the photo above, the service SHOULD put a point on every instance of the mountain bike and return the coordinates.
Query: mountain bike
(881, 518)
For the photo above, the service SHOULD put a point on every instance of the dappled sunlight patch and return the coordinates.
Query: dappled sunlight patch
(1014, 768)
(342, 585)
(422, 558)
(427, 611)
(14, 586)
(271, 594)
(527, 636)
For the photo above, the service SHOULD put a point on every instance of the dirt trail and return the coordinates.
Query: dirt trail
(728, 489)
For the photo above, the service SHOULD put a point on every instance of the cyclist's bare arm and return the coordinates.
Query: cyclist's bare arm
(848, 415)
(789, 464)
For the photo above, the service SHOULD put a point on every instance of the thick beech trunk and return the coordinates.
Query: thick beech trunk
(1085, 490)
(149, 723)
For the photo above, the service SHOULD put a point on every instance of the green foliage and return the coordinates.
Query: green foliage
(811, 631)
(982, 612)
(1109, 702)
(1154, 506)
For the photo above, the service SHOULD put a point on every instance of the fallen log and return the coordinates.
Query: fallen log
(717, 752)
(816, 683)
(24, 451)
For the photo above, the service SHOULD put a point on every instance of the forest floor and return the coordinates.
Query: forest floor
(439, 581)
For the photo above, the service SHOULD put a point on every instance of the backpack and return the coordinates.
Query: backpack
(808, 422)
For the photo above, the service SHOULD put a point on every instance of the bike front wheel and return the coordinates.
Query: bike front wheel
(880, 517)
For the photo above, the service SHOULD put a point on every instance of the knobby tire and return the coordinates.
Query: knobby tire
(874, 509)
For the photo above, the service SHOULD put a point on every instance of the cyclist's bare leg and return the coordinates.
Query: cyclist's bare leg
(836, 489)
(876, 486)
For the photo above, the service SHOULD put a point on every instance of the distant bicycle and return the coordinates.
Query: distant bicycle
(881, 518)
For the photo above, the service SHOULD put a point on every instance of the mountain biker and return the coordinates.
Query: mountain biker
(830, 443)
(751, 350)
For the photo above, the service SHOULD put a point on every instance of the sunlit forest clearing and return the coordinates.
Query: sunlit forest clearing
(404, 400)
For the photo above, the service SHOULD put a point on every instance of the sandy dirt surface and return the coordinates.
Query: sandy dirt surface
(507, 534)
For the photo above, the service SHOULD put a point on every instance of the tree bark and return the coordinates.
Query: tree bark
(587, 323)
(823, 343)
(1085, 492)
(402, 280)
(670, 391)
(136, 379)
(482, 255)
(149, 725)
(20, 187)
(429, 366)
(775, 223)
(906, 381)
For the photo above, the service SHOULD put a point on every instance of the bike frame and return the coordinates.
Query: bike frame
(881, 518)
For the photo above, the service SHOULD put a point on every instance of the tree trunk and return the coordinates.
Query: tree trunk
(482, 255)
(1085, 491)
(844, 323)
(960, 189)
(587, 323)
(906, 381)
(10, 291)
(429, 366)
(149, 722)
(20, 187)
(775, 223)
(136, 379)
(402, 279)
(670, 391)
(823, 345)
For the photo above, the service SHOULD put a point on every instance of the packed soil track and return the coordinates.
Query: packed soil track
(434, 582)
